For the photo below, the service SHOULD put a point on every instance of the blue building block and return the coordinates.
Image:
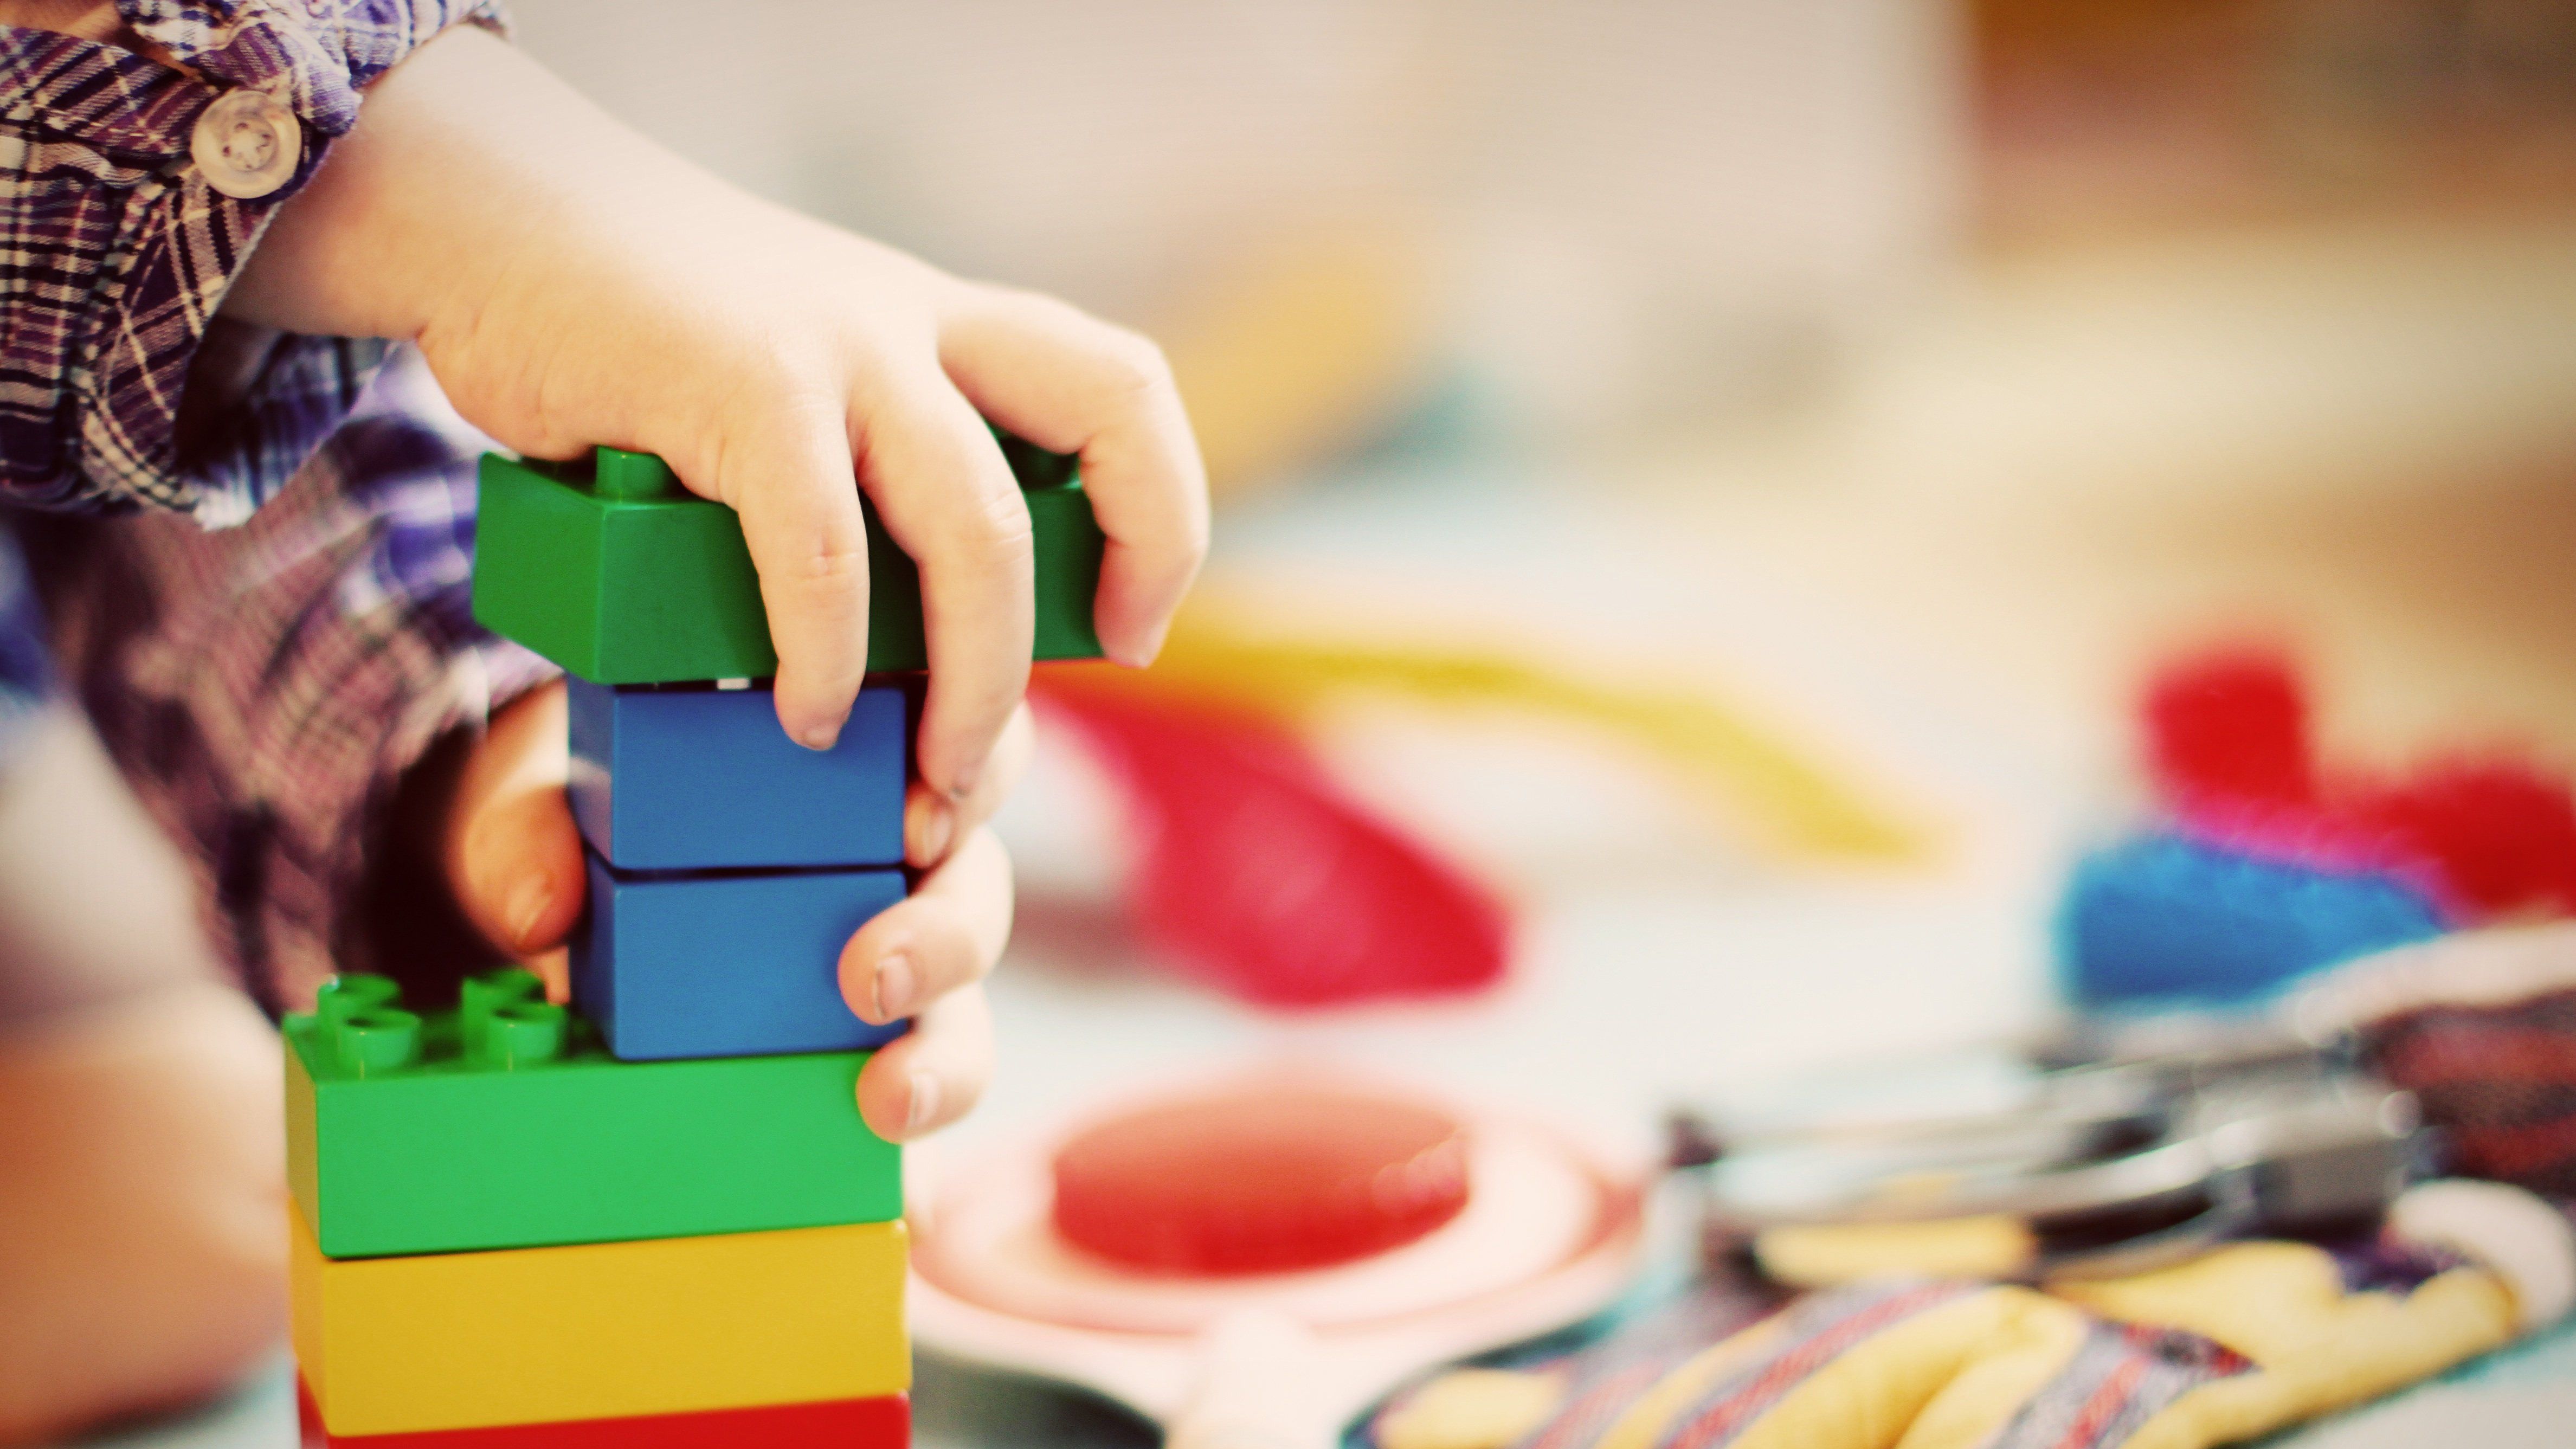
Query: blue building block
(699, 778)
(725, 965)
(2163, 919)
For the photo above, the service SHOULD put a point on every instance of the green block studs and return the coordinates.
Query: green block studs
(614, 571)
(633, 477)
(504, 1021)
(504, 1124)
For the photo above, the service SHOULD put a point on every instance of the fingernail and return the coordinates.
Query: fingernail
(1146, 652)
(892, 992)
(528, 902)
(820, 737)
(554, 968)
(929, 827)
(925, 1102)
(962, 784)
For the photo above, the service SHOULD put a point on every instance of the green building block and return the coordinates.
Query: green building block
(504, 1124)
(614, 571)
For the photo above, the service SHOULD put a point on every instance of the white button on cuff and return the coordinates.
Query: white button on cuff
(247, 144)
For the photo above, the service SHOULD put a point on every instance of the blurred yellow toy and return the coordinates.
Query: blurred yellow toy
(1781, 797)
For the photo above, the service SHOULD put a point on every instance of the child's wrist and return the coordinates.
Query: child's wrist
(468, 160)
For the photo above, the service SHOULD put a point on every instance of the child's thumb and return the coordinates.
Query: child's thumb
(513, 853)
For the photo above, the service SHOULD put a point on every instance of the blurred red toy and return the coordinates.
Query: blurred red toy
(1266, 1180)
(2229, 728)
(2501, 834)
(1261, 876)
(2229, 752)
(1545, 1232)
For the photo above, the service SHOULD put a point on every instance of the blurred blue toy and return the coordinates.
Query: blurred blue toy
(2263, 864)
(2163, 918)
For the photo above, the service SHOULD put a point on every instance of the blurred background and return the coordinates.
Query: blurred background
(1893, 381)
(1876, 387)
(2011, 330)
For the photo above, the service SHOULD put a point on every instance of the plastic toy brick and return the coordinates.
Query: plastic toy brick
(615, 572)
(503, 1123)
(725, 965)
(691, 777)
(883, 1423)
(1068, 543)
(600, 1330)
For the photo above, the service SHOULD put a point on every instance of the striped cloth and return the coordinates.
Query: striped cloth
(2123, 1375)
(2499, 1079)
(2118, 1378)
(2226, 1346)
(2481, 1027)
(265, 611)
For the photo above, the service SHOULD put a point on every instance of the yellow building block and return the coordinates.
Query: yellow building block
(600, 1330)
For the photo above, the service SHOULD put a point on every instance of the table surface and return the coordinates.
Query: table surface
(1943, 580)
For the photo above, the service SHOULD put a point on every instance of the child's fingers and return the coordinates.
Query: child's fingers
(932, 1075)
(791, 479)
(554, 968)
(932, 821)
(947, 934)
(1069, 382)
(947, 498)
(512, 851)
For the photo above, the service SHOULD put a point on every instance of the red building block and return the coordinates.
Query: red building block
(840, 1424)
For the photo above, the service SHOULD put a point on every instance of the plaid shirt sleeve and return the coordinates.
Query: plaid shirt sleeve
(117, 252)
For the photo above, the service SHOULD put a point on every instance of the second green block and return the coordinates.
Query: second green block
(503, 1124)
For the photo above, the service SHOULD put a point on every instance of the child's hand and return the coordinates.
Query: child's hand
(513, 859)
(572, 284)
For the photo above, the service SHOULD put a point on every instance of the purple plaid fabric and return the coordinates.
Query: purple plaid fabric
(283, 631)
(263, 687)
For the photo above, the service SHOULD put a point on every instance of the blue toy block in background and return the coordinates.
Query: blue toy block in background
(725, 965)
(2164, 919)
(699, 778)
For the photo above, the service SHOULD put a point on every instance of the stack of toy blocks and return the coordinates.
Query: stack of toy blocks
(655, 1218)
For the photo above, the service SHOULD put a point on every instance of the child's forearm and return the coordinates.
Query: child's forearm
(464, 153)
(572, 284)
